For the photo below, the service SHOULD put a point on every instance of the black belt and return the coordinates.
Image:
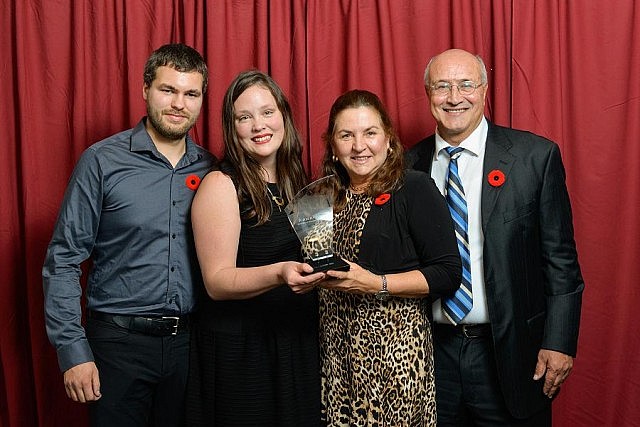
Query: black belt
(476, 330)
(158, 326)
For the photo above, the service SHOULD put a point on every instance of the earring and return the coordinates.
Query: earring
(334, 158)
(390, 150)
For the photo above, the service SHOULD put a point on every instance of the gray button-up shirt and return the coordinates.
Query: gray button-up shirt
(128, 209)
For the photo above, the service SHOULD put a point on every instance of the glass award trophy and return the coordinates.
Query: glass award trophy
(311, 215)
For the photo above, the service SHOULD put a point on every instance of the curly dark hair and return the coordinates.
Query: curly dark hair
(390, 175)
(290, 172)
(178, 56)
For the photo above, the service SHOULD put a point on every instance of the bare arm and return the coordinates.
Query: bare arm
(410, 284)
(215, 215)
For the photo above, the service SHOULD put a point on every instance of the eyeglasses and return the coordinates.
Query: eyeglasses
(466, 87)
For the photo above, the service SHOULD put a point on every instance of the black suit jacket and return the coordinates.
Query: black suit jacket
(532, 276)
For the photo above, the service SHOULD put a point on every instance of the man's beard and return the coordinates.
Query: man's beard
(173, 133)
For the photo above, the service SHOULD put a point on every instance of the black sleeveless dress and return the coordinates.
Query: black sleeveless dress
(255, 362)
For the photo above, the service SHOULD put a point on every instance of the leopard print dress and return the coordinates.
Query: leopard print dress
(377, 356)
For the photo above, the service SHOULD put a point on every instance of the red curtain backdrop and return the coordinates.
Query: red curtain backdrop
(567, 69)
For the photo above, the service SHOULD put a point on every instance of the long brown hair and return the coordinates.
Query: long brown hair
(390, 175)
(248, 171)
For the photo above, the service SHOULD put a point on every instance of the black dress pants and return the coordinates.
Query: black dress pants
(467, 388)
(142, 377)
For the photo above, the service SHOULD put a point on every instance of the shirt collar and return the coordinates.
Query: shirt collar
(141, 141)
(473, 143)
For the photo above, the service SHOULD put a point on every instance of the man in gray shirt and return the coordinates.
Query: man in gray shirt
(127, 207)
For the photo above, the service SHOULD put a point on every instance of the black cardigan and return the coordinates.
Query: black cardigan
(413, 230)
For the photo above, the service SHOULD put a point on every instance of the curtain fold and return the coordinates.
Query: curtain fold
(72, 75)
(574, 82)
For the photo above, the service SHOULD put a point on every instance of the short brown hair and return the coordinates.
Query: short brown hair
(179, 57)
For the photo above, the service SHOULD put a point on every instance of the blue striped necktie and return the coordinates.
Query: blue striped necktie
(459, 305)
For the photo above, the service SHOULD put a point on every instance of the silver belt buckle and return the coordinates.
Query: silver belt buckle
(175, 327)
(464, 330)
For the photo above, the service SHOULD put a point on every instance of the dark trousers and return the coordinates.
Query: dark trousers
(467, 388)
(142, 377)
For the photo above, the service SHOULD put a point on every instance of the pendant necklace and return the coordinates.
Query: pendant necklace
(279, 201)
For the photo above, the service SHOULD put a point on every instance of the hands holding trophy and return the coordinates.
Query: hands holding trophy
(311, 216)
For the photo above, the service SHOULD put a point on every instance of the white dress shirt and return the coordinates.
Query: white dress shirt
(470, 165)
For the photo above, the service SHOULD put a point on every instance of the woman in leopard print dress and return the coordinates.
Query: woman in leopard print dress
(394, 229)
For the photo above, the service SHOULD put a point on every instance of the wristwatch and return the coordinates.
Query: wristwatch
(383, 294)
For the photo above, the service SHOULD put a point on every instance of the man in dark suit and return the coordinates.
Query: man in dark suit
(502, 362)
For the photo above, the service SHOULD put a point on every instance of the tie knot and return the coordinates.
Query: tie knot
(454, 152)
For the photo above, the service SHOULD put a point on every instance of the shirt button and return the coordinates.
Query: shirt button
(173, 236)
(173, 269)
(173, 203)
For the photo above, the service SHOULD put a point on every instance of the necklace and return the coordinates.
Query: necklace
(358, 188)
(279, 201)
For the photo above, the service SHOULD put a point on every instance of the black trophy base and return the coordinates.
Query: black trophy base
(330, 263)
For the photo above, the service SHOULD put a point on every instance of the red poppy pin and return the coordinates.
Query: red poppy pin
(382, 199)
(193, 181)
(496, 178)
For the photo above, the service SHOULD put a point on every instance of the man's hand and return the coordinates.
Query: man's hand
(82, 382)
(555, 367)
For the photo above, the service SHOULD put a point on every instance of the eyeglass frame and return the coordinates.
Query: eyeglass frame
(475, 86)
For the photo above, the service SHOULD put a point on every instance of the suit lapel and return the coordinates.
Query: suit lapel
(496, 157)
(423, 159)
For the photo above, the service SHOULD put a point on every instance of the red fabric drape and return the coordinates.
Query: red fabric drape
(566, 69)
(574, 66)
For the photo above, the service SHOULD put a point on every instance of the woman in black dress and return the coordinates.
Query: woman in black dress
(255, 349)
